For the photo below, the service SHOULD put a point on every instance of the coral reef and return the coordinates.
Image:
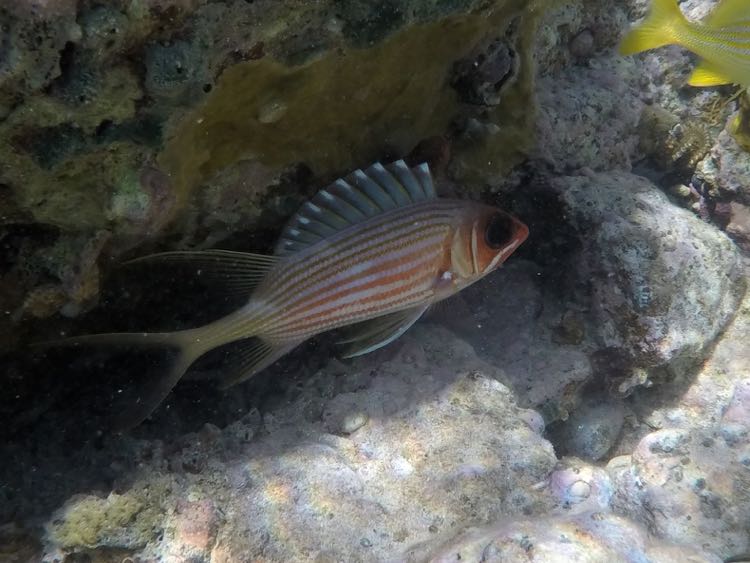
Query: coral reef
(588, 401)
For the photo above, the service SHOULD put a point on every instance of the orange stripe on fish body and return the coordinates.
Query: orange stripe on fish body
(371, 252)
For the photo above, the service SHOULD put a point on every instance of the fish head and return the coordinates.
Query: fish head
(485, 237)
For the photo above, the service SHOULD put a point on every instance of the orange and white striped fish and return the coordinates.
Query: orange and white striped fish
(370, 252)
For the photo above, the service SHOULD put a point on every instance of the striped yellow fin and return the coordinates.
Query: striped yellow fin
(706, 74)
(356, 198)
(729, 13)
(658, 29)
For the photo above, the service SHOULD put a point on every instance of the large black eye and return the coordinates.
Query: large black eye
(499, 231)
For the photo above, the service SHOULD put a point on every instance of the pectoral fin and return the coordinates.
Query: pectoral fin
(706, 74)
(370, 335)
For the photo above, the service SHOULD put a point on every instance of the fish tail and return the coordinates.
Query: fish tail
(189, 345)
(658, 29)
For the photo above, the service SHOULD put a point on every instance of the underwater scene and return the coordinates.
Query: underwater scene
(374, 280)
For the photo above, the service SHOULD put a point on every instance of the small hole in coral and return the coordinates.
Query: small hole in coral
(103, 127)
(207, 88)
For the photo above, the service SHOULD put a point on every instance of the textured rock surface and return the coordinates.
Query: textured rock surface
(663, 282)
(691, 479)
(587, 537)
(589, 117)
(439, 444)
(727, 169)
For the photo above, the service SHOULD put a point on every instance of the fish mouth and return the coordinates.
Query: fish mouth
(520, 234)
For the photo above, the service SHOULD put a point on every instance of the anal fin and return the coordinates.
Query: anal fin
(706, 74)
(370, 335)
(249, 357)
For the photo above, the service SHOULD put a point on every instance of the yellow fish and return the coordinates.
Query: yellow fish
(722, 40)
(370, 252)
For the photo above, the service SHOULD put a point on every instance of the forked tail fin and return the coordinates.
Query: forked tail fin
(658, 29)
(189, 345)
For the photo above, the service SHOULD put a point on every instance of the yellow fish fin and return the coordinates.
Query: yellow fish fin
(658, 29)
(706, 74)
(729, 12)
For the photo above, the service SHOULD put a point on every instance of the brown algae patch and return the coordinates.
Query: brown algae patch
(343, 109)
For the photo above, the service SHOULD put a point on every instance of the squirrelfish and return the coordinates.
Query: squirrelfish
(370, 252)
(722, 40)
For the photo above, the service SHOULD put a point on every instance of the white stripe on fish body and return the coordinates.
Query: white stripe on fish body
(363, 289)
(348, 272)
(326, 250)
(309, 262)
(297, 271)
(420, 290)
(304, 288)
(338, 268)
(345, 284)
(373, 287)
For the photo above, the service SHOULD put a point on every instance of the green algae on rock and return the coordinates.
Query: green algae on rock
(347, 107)
(90, 521)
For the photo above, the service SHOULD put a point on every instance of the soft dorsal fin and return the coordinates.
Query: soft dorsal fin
(730, 13)
(359, 196)
(237, 272)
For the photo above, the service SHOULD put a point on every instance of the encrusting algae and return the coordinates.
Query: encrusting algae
(371, 252)
(354, 105)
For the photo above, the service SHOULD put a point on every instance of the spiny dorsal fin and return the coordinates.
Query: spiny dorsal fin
(350, 200)
(730, 13)
(368, 336)
(236, 272)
